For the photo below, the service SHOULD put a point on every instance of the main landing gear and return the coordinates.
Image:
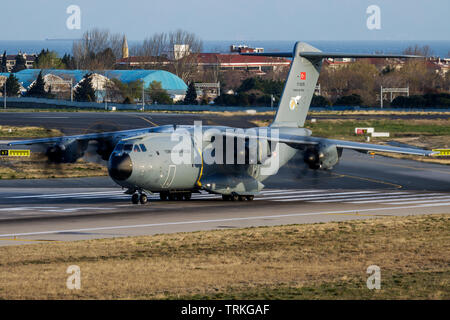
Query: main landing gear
(236, 197)
(139, 198)
(175, 196)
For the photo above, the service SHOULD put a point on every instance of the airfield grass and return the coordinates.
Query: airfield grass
(311, 261)
(11, 132)
(37, 167)
(422, 133)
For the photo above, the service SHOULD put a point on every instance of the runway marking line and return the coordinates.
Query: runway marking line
(222, 220)
(29, 240)
(407, 167)
(368, 179)
(147, 120)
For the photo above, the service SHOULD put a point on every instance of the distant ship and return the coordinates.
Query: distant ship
(60, 39)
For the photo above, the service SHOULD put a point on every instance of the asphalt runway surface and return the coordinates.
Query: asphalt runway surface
(360, 187)
(71, 123)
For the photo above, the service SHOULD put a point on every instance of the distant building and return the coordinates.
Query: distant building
(180, 51)
(142, 62)
(258, 64)
(11, 60)
(336, 63)
(242, 48)
(62, 80)
(125, 52)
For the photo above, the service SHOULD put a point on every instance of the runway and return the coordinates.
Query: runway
(359, 187)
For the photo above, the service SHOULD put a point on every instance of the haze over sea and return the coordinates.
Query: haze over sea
(439, 48)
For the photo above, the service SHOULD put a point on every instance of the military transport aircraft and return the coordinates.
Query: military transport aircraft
(176, 161)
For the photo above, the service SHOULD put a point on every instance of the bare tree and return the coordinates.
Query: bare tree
(97, 49)
(180, 47)
(419, 51)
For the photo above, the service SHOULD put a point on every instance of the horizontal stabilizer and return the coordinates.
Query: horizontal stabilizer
(325, 55)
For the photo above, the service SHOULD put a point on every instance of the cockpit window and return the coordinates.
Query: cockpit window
(127, 147)
(143, 148)
(119, 147)
(136, 148)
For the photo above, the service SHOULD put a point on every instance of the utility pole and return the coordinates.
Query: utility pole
(381, 97)
(143, 96)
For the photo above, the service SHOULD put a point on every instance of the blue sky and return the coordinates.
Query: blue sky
(232, 19)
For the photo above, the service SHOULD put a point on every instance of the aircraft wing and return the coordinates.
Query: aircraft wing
(84, 137)
(300, 141)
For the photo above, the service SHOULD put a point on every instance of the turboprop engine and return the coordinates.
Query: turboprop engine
(66, 151)
(324, 156)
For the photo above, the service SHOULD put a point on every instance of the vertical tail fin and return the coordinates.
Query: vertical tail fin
(302, 79)
(300, 85)
(299, 88)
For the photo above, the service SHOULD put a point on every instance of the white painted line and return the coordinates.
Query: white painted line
(65, 194)
(315, 196)
(423, 201)
(289, 192)
(395, 199)
(221, 220)
(377, 198)
(25, 208)
(75, 209)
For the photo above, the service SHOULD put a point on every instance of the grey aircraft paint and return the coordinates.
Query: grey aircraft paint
(142, 160)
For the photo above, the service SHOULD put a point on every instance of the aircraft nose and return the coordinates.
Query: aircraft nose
(120, 167)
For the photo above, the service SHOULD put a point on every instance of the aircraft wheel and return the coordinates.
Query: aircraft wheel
(163, 196)
(187, 196)
(241, 198)
(226, 197)
(135, 198)
(143, 199)
(250, 197)
(234, 197)
(171, 197)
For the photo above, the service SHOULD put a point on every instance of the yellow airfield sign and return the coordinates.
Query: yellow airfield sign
(442, 152)
(15, 153)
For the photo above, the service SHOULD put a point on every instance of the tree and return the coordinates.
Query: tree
(158, 94)
(4, 59)
(20, 63)
(48, 60)
(424, 51)
(352, 100)
(97, 49)
(319, 101)
(191, 94)
(37, 89)
(12, 86)
(181, 47)
(68, 61)
(84, 90)
(118, 90)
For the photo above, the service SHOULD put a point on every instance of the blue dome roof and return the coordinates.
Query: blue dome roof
(169, 81)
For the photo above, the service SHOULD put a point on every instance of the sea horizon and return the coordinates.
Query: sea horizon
(440, 48)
